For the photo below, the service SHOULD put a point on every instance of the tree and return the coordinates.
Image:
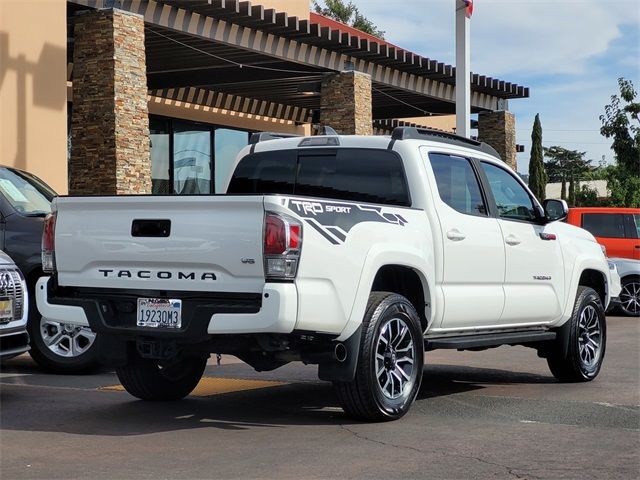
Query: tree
(621, 122)
(567, 166)
(537, 174)
(348, 14)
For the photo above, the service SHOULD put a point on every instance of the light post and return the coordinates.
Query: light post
(464, 10)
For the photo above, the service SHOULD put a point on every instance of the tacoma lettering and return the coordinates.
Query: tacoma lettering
(162, 275)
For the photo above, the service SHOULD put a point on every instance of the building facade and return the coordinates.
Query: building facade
(114, 97)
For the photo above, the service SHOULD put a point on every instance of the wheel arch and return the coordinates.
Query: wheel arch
(382, 269)
(596, 280)
(588, 272)
(407, 282)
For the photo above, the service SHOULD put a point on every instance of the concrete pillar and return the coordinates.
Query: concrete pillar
(345, 103)
(110, 118)
(498, 129)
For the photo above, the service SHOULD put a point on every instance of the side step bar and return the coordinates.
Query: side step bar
(487, 340)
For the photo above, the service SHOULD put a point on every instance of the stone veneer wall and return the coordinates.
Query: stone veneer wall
(345, 103)
(498, 129)
(110, 119)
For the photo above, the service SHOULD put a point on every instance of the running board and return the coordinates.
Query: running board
(487, 340)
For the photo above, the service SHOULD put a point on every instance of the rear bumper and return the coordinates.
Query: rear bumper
(113, 311)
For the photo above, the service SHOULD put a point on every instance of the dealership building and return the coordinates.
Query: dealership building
(118, 97)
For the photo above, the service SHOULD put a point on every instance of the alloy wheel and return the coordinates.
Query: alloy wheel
(630, 297)
(395, 358)
(66, 340)
(589, 336)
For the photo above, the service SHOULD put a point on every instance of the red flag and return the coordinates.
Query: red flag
(469, 9)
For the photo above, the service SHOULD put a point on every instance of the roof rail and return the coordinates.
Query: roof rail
(264, 136)
(405, 133)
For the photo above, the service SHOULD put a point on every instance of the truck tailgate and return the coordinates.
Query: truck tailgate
(212, 243)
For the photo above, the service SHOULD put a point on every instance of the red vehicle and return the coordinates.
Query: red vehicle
(618, 229)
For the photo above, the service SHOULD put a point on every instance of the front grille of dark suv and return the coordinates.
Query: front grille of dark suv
(11, 288)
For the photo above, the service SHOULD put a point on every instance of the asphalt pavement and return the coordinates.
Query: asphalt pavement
(487, 415)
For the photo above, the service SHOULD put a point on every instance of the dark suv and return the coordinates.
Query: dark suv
(24, 202)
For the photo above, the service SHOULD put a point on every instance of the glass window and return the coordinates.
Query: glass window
(512, 200)
(26, 193)
(457, 184)
(353, 174)
(227, 145)
(264, 173)
(191, 158)
(160, 156)
(636, 219)
(606, 225)
(345, 174)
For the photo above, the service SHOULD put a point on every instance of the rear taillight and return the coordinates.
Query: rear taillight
(48, 244)
(282, 244)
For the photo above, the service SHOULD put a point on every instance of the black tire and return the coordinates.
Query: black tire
(569, 364)
(630, 297)
(155, 380)
(364, 398)
(50, 361)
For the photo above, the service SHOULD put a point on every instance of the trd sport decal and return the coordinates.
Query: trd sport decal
(334, 220)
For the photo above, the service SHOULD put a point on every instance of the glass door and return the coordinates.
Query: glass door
(191, 158)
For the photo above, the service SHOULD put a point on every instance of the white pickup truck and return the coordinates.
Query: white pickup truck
(354, 253)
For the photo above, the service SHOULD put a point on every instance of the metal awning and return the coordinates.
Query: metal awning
(234, 53)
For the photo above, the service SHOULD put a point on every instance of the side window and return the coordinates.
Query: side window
(457, 184)
(605, 225)
(512, 200)
(636, 221)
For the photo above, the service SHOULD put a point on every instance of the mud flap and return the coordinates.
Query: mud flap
(343, 371)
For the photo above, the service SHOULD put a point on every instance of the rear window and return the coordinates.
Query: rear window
(361, 175)
(605, 225)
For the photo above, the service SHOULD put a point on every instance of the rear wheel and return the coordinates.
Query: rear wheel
(390, 361)
(586, 336)
(150, 379)
(630, 296)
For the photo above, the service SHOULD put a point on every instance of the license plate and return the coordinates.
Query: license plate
(6, 311)
(159, 313)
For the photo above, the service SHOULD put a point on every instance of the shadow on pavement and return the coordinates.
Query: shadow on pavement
(90, 412)
(439, 380)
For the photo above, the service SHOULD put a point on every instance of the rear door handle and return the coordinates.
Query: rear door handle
(512, 240)
(455, 235)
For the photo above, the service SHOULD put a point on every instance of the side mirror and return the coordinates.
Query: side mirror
(555, 210)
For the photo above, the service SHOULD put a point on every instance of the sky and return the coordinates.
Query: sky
(570, 54)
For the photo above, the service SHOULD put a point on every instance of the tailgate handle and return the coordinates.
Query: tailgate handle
(151, 228)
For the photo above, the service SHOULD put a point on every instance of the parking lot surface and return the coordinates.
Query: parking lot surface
(492, 414)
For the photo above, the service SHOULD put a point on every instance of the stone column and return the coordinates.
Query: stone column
(498, 129)
(345, 103)
(110, 118)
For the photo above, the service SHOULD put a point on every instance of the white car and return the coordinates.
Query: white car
(355, 253)
(628, 300)
(14, 306)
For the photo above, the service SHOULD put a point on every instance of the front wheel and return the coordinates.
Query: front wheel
(391, 355)
(586, 337)
(150, 379)
(630, 296)
(61, 347)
